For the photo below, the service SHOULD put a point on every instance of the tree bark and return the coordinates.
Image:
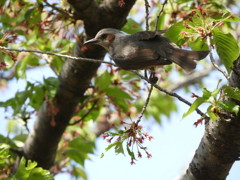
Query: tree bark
(42, 142)
(220, 145)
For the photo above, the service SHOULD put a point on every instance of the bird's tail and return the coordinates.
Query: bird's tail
(186, 59)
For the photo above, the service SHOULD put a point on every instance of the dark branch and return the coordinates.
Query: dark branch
(147, 6)
(85, 115)
(61, 11)
(170, 93)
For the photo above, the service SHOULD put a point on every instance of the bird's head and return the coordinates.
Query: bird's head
(106, 37)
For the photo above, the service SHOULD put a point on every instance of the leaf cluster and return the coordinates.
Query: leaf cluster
(219, 99)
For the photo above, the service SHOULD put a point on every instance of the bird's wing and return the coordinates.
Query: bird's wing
(140, 59)
(148, 35)
(140, 53)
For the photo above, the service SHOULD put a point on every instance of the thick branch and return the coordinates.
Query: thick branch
(42, 142)
(85, 9)
(107, 13)
(220, 145)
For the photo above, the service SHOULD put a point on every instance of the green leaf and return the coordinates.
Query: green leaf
(113, 133)
(51, 85)
(4, 153)
(211, 114)
(79, 172)
(77, 155)
(117, 146)
(229, 106)
(198, 44)
(117, 93)
(79, 149)
(174, 33)
(21, 137)
(28, 13)
(12, 126)
(23, 63)
(32, 39)
(86, 146)
(232, 19)
(37, 97)
(119, 97)
(51, 81)
(194, 106)
(227, 47)
(232, 92)
(103, 81)
(206, 94)
(132, 27)
(215, 93)
(27, 170)
(102, 155)
(21, 68)
(227, 17)
(161, 22)
(210, 96)
(31, 165)
(57, 63)
(130, 153)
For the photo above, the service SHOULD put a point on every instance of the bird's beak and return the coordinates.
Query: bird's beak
(91, 41)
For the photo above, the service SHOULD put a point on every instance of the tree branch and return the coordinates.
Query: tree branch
(61, 11)
(219, 147)
(214, 62)
(59, 55)
(147, 6)
(170, 93)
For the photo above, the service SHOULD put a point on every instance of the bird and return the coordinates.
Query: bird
(144, 50)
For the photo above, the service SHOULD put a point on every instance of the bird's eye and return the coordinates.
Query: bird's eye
(103, 36)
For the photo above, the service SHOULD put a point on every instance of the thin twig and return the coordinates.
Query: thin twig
(59, 55)
(170, 93)
(147, 14)
(85, 115)
(214, 62)
(160, 12)
(59, 10)
(146, 104)
(151, 88)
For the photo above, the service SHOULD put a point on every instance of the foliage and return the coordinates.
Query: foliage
(29, 170)
(26, 170)
(116, 96)
(215, 99)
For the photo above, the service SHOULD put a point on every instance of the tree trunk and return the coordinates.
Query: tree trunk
(220, 145)
(42, 142)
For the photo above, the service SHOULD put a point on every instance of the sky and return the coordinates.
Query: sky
(172, 147)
